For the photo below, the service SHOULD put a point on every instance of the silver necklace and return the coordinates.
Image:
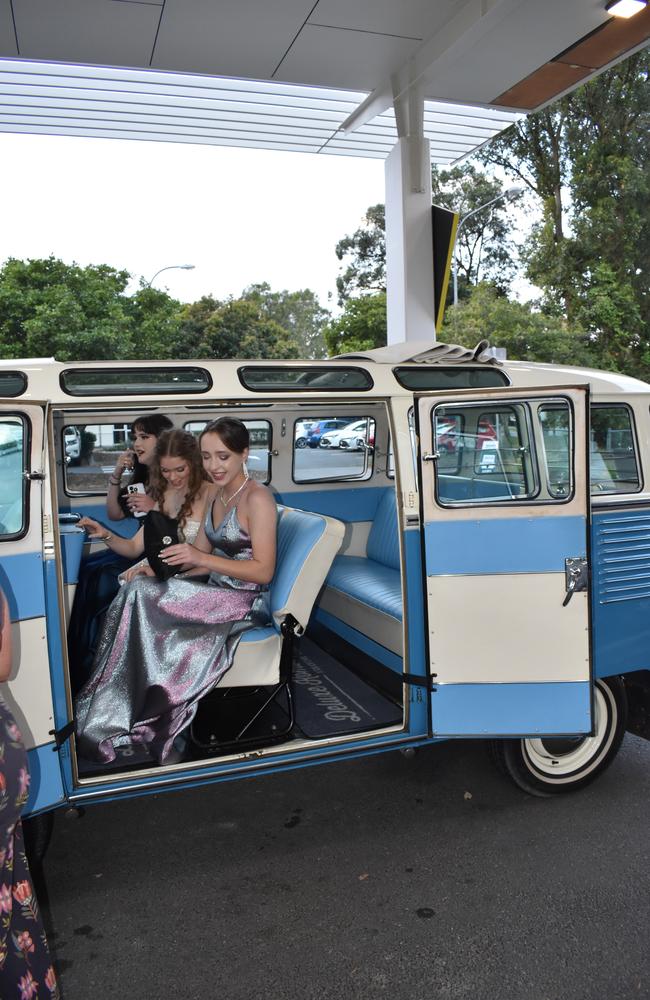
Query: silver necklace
(226, 502)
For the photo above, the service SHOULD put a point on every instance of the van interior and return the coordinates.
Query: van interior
(333, 675)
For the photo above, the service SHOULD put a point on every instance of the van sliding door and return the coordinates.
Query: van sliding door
(504, 485)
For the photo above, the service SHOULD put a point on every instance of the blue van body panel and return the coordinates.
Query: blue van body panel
(17, 576)
(477, 709)
(621, 591)
(46, 785)
(508, 545)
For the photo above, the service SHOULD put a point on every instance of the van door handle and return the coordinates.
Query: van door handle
(576, 577)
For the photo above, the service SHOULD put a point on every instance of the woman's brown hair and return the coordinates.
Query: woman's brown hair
(178, 444)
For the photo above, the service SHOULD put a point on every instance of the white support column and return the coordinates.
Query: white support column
(409, 242)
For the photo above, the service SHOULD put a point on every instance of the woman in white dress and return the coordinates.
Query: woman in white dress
(178, 487)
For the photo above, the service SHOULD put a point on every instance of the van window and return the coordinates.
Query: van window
(485, 455)
(612, 451)
(314, 378)
(13, 451)
(134, 381)
(259, 455)
(555, 421)
(333, 448)
(12, 383)
(89, 454)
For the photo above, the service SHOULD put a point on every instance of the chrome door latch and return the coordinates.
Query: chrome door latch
(576, 575)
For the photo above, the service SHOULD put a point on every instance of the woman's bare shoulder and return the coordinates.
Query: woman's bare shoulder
(260, 497)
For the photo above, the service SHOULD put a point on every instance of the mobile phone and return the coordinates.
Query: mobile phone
(137, 488)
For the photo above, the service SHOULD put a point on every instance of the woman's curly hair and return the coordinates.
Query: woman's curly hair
(178, 444)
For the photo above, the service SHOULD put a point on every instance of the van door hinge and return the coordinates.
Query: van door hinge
(36, 474)
(62, 734)
(419, 680)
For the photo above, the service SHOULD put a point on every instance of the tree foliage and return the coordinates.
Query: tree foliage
(77, 313)
(360, 327)
(525, 333)
(364, 253)
(588, 160)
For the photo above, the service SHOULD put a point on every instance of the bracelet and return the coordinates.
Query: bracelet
(113, 482)
(106, 537)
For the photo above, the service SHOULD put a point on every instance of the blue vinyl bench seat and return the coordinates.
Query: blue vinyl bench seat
(365, 593)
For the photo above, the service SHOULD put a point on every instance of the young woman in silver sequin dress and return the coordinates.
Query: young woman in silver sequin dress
(166, 644)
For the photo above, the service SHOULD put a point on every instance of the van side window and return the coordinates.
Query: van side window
(612, 447)
(484, 455)
(259, 455)
(13, 448)
(89, 453)
(333, 448)
(555, 421)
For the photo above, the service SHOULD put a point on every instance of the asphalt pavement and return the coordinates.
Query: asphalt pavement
(376, 878)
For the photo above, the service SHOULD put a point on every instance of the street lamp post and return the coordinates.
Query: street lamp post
(509, 194)
(170, 267)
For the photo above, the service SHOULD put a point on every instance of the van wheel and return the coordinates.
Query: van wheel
(551, 766)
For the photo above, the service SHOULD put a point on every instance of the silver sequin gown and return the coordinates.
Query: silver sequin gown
(163, 647)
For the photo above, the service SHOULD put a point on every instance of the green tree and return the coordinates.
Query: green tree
(525, 333)
(156, 321)
(588, 160)
(360, 327)
(237, 330)
(75, 313)
(484, 250)
(364, 253)
(299, 313)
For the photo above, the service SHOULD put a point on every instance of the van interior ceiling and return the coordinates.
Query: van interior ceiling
(333, 459)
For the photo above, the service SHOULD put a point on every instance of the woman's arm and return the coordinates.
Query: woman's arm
(262, 527)
(5, 639)
(113, 507)
(129, 547)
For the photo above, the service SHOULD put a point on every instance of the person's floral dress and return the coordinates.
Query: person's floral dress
(26, 971)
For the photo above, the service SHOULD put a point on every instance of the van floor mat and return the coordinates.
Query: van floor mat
(128, 758)
(330, 700)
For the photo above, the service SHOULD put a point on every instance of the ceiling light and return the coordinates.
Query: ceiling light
(625, 8)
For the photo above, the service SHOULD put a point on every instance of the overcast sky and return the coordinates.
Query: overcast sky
(239, 215)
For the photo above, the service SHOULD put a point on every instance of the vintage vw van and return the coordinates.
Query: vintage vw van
(478, 566)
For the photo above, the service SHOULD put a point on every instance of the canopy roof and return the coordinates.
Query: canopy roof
(309, 75)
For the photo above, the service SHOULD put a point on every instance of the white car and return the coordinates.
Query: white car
(302, 428)
(333, 438)
(72, 443)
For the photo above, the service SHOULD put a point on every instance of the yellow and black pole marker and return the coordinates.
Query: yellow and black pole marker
(444, 228)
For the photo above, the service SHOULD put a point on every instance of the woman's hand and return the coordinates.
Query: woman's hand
(184, 554)
(125, 463)
(94, 528)
(130, 574)
(139, 503)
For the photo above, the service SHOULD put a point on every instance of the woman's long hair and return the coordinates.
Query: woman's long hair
(151, 423)
(178, 444)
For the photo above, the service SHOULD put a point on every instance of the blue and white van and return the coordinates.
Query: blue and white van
(478, 567)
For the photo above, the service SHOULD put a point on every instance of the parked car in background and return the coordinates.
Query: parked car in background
(301, 433)
(332, 439)
(72, 442)
(321, 427)
(358, 436)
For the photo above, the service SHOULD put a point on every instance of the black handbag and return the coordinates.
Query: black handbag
(160, 531)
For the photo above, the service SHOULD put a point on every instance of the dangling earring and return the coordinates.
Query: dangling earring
(244, 469)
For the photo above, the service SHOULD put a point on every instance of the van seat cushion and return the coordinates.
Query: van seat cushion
(383, 540)
(368, 581)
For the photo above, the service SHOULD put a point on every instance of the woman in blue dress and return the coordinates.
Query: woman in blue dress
(164, 645)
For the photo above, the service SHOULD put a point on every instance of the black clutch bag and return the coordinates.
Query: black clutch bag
(160, 531)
